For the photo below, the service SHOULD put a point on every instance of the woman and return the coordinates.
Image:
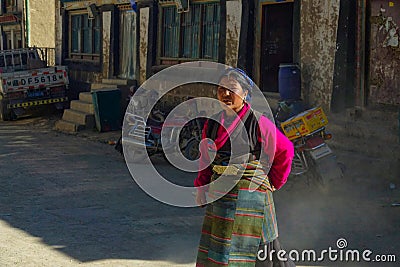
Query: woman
(242, 223)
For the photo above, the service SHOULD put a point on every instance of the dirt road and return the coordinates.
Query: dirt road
(69, 201)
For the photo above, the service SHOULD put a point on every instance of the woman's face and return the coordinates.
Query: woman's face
(231, 93)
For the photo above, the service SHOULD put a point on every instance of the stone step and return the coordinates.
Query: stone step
(384, 114)
(80, 118)
(86, 97)
(115, 81)
(81, 106)
(101, 86)
(388, 120)
(67, 126)
(361, 130)
(367, 146)
(374, 133)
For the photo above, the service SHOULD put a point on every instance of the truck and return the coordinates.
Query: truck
(27, 82)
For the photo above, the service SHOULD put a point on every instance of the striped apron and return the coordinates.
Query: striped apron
(235, 225)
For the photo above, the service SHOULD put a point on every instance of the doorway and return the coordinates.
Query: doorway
(276, 42)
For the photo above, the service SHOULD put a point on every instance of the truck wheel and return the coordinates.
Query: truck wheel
(5, 113)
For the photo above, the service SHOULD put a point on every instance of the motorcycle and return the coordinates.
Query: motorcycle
(306, 129)
(181, 134)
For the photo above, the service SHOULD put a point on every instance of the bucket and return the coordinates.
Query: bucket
(289, 82)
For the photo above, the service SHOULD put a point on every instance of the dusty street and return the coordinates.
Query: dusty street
(68, 201)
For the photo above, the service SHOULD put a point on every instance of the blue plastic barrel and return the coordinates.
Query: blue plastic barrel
(289, 82)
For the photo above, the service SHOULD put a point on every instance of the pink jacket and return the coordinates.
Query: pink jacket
(283, 154)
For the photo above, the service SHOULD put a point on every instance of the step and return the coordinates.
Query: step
(86, 97)
(384, 114)
(367, 146)
(363, 130)
(115, 81)
(67, 126)
(379, 118)
(81, 106)
(100, 86)
(79, 118)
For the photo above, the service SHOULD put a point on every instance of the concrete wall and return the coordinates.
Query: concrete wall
(58, 34)
(384, 78)
(106, 43)
(42, 21)
(233, 24)
(318, 32)
(143, 42)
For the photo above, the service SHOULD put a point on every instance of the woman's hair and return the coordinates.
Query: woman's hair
(241, 77)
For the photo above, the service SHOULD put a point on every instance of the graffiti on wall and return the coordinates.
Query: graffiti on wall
(384, 52)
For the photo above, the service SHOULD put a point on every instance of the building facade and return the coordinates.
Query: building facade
(97, 39)
(338, 44)
(255, 35)
(12, 24)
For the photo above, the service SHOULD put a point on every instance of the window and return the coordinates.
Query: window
(11, 5)
(85, 37)
(12, 39)
(193, 34)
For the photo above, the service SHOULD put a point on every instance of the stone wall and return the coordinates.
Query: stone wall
(384, 79)
(42, 21)
(318, 32)
(233, 24)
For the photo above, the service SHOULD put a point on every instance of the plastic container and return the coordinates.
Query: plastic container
(289, 82)
(107, 109)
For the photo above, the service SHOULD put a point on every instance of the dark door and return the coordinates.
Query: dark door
(277, 42)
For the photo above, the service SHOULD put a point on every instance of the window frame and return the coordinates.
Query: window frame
(165, 60)
(10, 6)
(81, 55)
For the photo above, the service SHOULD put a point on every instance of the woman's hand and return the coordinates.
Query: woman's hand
(201, 198)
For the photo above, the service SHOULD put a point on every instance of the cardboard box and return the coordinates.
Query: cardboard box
(304, 123)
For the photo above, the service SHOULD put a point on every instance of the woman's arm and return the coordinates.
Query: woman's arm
(205, 172)
(277, 144)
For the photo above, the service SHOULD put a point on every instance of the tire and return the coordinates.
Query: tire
(5, 113)
(325, 171)
(118, 146)
(192, 151)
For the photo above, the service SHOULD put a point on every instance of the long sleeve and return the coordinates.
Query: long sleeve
(283, 152)
(205, 172)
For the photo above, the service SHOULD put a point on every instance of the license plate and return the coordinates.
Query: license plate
(36, 94)
(320, 152)
(37, 80)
